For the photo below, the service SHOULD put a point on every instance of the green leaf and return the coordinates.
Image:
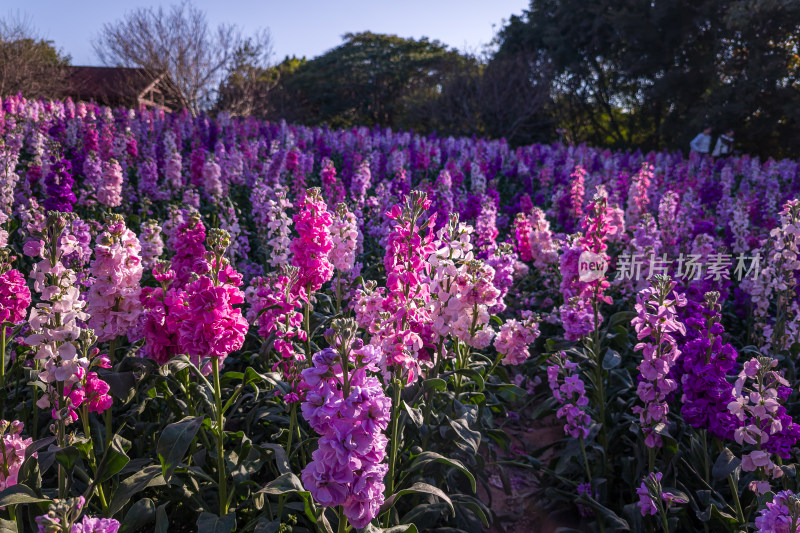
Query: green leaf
(472, 373)
(290, 484)
(794, 349)
(174, 442)
(468, 440)
(122, 385)
(140, 514)
(112, 462)
(620, 318)
(162, 520)
(283, 484)
(434, 384)
(8, 526)
(423, 488)
(611, 359)
(426, 458)
(67, 457)
(38, 445)
(725, 464)
(414, 414)
(132, 485)
(281, 461)
(211, 523)
(473, 504)
(19, 494)
(268, 526)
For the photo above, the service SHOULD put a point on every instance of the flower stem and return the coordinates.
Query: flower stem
(737, 503)
(107, 414)
(220, 427)
(2, 354)
(87, 432)
(62, 407)
(599, 377)
(338, 291)
(289, 442)
(342, 521)
(307, 327)
(586, 461)
(395, 440)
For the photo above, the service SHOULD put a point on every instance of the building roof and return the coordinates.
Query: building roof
(110, 85)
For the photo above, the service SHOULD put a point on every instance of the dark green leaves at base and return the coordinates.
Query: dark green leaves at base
(175, 441)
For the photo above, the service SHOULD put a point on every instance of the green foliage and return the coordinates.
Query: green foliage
(652, 73)
(367, 80)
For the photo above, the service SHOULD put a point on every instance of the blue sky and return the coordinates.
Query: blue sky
(300, 27)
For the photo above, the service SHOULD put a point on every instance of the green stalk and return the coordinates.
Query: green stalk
(292, 426)
(338, 291)
(601, 393)
(342, 521)
(736, 501)
(92, 456)
(429, 395)
(62, 474)
(2, 354)
(107, 414)
(664, 521)
(307, 326)
(395, 441)
(586, 461)
(223, 486)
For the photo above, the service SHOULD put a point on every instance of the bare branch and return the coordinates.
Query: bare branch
(178, 41)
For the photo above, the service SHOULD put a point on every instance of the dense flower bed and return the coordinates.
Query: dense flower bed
(232, 325)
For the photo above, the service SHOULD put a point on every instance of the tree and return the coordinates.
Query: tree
(246, 89)
(367, 80)
(29, 65)
(180, 42)
(649, 74)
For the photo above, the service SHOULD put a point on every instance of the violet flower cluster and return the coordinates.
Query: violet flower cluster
(151, 243)
(275, 308)
(58, 185)
(781, 515)
(656, 320)
(515, 337)
(348, 408)
(56, 320)
(65, 515)
(766, 428)
(344, 236)
(652, 497)
(570, 393)
(705, 363)
(12, 447)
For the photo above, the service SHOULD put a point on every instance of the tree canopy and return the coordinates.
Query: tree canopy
(29, 64)
(651, 73)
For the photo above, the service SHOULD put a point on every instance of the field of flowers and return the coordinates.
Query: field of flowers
(224, 324)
